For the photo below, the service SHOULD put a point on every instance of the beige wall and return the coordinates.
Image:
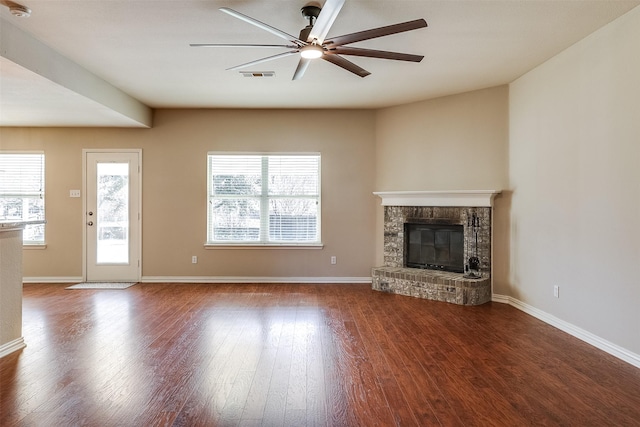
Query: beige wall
(574, 171)
(456, 142)
(174, 190)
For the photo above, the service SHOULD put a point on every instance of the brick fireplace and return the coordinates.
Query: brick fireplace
(470, 209)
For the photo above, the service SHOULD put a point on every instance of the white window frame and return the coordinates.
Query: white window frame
(25, 197)
(264, 198)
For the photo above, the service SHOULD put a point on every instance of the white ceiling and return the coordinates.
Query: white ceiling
(139, 50)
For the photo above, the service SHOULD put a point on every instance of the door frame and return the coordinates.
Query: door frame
(85, 152)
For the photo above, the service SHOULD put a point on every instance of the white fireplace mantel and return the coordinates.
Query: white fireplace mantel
(454, 198)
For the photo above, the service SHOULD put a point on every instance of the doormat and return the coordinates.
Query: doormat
(102, 285)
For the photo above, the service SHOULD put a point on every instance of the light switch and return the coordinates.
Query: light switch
(74, 193)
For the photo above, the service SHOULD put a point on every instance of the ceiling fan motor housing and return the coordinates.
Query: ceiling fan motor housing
(311, 11)
(304, 33)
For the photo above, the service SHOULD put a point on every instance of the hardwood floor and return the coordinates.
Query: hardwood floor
(299, 355)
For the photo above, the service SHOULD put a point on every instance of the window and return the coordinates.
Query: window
(22, 192)
(264, 199)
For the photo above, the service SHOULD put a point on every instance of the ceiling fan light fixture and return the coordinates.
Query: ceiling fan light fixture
(311, 51)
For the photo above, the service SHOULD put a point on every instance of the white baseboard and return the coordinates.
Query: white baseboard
(502, 299)
(586, 336)
(213, 279)
(54, 279)
(11, 346)
(251, 279)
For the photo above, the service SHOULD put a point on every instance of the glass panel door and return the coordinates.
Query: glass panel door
(112, 216)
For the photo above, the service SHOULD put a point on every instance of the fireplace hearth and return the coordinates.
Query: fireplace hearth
(437, 245)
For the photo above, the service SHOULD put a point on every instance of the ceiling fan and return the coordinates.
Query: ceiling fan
(312, 42)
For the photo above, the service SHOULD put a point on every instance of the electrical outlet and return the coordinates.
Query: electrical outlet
(194, 259)
(556, 291)
(334, 260)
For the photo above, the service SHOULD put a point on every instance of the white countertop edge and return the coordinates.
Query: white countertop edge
(17, 225)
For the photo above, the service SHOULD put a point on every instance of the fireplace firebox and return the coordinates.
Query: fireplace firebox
(434, 246)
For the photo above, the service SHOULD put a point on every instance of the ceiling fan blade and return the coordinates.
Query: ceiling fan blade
(376, 32)
(325, 20)
(303, 64)
(242, 45)
(347, 65)
(370, 53)
(264, 26)
(260, 61)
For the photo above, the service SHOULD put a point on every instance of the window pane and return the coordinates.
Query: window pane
(293, 220)
(113, 213)
(236, 220)
(21, 174)
(22, 192)
(236, 175)
(33, 233)
(11, 208)
(293, 175)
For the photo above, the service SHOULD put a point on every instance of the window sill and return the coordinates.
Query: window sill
(263, 246)
(36, 247)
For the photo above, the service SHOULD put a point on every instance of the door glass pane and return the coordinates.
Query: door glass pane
(112, 216)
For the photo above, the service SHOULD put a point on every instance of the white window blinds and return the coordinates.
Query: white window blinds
(22, 192)
(264, 199)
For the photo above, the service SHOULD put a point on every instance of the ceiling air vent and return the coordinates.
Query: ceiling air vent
(258, 73)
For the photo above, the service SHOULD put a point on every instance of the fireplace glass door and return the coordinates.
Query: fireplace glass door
(435, 247)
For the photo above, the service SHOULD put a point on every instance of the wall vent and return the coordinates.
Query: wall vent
(258, 73)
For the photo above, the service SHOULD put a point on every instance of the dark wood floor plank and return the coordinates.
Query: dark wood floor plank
(316, 390)
(335, 362)
(296, 394)
(374, 341)
(205, 403)
(303, 355)
(424, 398)
(276, 403)
(474, 399)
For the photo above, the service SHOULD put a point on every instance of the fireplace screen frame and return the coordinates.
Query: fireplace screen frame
(434, 252)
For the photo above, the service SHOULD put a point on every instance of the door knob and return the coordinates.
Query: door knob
(90, 223)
